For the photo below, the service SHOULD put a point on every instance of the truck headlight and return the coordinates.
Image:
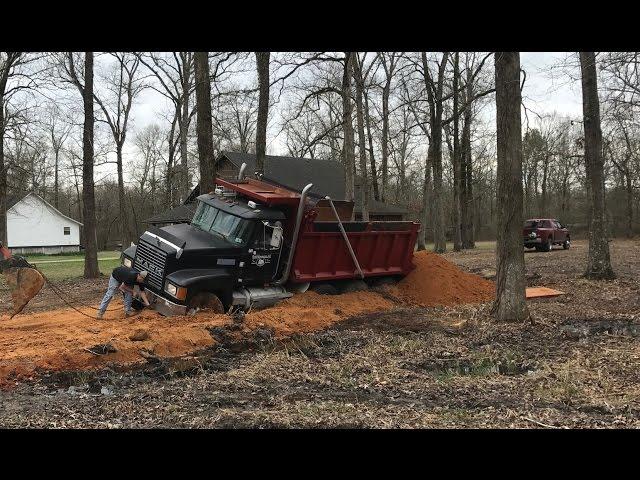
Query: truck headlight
(127, 262)
(171, 289)
(177, 292)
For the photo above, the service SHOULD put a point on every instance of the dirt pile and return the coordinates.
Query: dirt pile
(61, 340)
(435, 282)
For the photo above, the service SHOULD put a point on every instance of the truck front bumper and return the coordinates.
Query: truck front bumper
(165, 307)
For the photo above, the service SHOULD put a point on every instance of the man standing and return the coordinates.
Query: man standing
(124, 279)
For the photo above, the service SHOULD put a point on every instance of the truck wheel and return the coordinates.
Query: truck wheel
(324, 289)
(382, 281)
(547, 246)
(566, 244)
(353, 286)
(205, 301)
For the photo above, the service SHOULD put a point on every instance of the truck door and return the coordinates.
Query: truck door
(551, 228)
(265, 253)
(560, 233)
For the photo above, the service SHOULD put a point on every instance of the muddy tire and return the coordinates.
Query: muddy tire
(353, 286)
(382, 281)
(205, 301)
(547, 246)
(324, 289)
(566, 244)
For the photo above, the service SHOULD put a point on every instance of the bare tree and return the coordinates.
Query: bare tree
(510, 304)
(58, 130)
(348, 146)
(122, 84)
(204, 125)
(455, 157)
(262, 63)
(362, 149)
(82, 79)
(599, 262)
(434, 88)
(10, 63)
(389, 63)
(174, 75)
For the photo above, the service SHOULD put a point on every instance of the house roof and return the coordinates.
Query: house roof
(378, 208)
(13, 201)
(293, 173)
(327, 176)
(179, 214)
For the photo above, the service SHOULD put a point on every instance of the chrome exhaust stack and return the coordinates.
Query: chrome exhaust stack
(296, 231)
(241, 172)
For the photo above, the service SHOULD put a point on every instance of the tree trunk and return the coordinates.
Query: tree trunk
(543, 195)
(457, 228)
(629, 188)
(3, 177)
(467, 210)
(185, 184)
(599, 262)
(170, 175)
(435, 110)
(385, 139)
(204, 124)
(372, 159)
(348, 147)
(510, 304)
(125, 236)
(362, 149)
(426, 201)
(91, 269)
(56, 198)
(262, 61)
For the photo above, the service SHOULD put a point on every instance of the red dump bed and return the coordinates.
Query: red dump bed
(382, 248)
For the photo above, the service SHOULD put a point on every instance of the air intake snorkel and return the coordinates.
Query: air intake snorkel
(296, 231)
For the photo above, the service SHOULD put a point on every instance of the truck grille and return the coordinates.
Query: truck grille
(152, 259)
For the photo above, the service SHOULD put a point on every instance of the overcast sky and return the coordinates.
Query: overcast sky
(543, 94)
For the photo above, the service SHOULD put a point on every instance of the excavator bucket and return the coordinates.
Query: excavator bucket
(24, 281)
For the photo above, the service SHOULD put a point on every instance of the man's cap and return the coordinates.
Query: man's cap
(143, 274)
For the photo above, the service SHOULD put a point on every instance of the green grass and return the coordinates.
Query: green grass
(67, 270)
(69, 256)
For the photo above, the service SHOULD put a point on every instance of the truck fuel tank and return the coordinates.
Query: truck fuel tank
(256, 297)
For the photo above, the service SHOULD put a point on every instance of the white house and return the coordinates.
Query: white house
(35, 226)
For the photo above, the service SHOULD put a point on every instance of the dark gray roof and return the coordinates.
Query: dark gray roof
(378, 208)
(12, 200)
(181, 213)
(327, 176)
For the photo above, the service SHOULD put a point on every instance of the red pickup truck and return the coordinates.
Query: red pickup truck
(543, 233)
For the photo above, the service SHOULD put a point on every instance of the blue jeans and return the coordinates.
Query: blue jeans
(111, 291)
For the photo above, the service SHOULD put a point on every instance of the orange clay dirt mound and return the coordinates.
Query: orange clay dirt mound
(436, 281)
(58, 340)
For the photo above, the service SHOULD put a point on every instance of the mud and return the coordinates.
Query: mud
(436, 281)
(68, 340)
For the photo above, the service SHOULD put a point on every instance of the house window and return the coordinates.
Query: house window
(67, 230)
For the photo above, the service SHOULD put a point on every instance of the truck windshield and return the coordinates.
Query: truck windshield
(213, 220)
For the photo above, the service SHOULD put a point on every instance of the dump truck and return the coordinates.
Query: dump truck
(252, 243)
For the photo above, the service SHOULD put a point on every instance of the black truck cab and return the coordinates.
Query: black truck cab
(230, 249)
